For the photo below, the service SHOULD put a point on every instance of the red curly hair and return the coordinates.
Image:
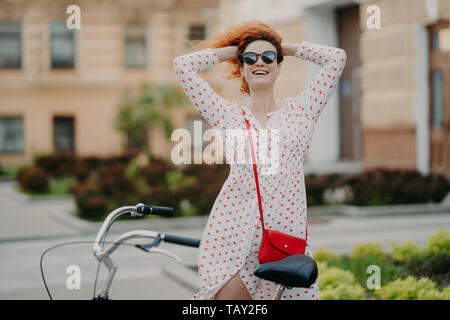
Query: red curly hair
(241, 35)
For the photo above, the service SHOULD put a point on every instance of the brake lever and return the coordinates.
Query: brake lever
(157, 250)
(146, 247)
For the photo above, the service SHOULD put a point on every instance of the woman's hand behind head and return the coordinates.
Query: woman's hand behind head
(289, 48)
(227, 53)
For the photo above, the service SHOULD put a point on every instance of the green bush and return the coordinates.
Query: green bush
(410, 289)
(432, 262)
(209, 181)
(323, 255)
(56, 164)
(407, 253)
(33, 180)
(81, 171)
(439, 241)
(378, 186)
(338, 284)
(445, 293)
(435, 266)
(359, 268)
(368, 249)
(315, 188)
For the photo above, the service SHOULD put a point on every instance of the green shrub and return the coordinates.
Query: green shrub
(445, 293)
(81, 171)
(209, 181)
(432, 262)
(338, 284)
(33, 180)
(315, 188)
(381, 186)
(439, 241)
(410, 289)
(359, 268)
(56, 164)
(368, 249)
(388, 271)
(93, 208)
(436, 266)
(323, 255)
(407, 253)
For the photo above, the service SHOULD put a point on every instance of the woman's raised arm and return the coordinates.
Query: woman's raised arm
(217, 111)
(306, 108)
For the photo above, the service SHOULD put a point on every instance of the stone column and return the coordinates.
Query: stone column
(35, 42)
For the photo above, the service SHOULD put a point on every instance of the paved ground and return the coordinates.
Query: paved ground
(28, 228)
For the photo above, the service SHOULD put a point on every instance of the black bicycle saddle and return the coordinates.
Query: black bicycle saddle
(297, 270)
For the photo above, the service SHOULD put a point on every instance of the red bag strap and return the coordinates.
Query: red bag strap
(255, 171)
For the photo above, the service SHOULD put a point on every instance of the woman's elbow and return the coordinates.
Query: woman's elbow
(342, 56)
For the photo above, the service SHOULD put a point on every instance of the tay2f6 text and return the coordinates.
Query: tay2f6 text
(246, 309)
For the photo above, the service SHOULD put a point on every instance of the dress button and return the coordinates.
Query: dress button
(285, 245)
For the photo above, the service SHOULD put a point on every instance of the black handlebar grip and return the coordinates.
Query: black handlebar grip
(182, 240)
(159, 211)
(162, 211)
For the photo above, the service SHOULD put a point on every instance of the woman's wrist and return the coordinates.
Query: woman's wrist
(226, 53)
(289, 48)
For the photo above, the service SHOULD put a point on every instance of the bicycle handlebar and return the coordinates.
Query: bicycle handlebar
(102, 254)
(138, 210)
(156, 210)
(181, 240)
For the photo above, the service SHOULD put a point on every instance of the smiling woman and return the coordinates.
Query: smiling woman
(231, 241)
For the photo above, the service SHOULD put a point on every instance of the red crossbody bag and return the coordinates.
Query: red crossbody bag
(275, 245)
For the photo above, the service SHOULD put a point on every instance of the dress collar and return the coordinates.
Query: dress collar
(252, 119)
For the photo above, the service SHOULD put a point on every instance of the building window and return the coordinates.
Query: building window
(197, 127)
(10, 44)
(11, 134)
(195, 33)
(135, 46)
(62, 44)
(63, 133)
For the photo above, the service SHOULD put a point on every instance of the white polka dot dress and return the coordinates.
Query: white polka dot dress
(232, 235)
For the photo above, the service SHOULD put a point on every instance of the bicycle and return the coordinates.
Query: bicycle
(293, 271)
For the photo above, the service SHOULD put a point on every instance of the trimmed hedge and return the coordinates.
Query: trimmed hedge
(338, 284)
(412, 289)
(378, 187)
(192, 189)
(33, 180)
(408, 271)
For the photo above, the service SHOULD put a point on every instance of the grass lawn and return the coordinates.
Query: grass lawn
(9, 170)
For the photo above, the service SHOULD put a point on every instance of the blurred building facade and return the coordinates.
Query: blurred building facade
(60, 89)
(392, 108)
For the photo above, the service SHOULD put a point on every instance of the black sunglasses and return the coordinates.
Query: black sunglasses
(252, 57)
